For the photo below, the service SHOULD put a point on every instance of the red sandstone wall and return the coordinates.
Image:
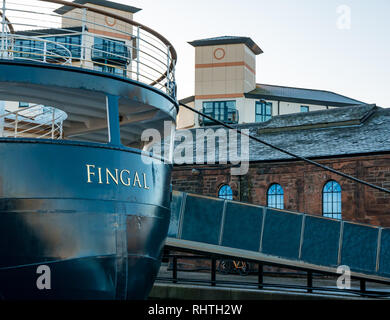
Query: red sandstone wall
(302, 184)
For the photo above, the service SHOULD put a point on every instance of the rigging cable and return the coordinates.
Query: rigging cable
(314, 163)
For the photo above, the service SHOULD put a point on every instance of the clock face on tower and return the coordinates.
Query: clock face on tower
(110, 21)
(219, 53)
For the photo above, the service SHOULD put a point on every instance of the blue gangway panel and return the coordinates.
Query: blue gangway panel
(282, 234)
(202, 219)
(242, 228)
(321, 241)
(177, 199)
(290, 237)
(384, 261)
(359, 247)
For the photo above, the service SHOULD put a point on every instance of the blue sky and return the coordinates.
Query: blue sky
(302, 43)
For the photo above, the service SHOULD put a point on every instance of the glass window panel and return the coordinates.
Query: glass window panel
(332, 200)
(275, 196)
(263, 111)
(326, 197)
(231, 104)
(269, 109)
(220, 110)
(304, 109)
(225, 192)
(61, 39)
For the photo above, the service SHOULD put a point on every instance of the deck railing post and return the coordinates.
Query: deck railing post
(61, 132)
(16, 124)
(2, 113)
(53, 111)
(168, 71)
(173, 82)
(3, 32)
(138, 52)
(83, 38)
(44, 51)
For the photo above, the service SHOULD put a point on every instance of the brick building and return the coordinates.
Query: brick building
(354, 140)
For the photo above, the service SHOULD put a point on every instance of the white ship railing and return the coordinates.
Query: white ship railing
(39, 50)
(88, 38)
(35, 121)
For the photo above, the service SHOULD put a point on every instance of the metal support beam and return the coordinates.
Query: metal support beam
(213, 272)
(310, 282)
(260, 275)
(174, 270)
(113, 120)
(363, 286)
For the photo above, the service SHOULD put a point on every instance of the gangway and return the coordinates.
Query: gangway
(283, 238)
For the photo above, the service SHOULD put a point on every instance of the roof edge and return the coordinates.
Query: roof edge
(104, 3)
(232, 40)
(300, 88)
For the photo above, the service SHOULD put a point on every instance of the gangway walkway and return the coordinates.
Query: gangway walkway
(278, 237)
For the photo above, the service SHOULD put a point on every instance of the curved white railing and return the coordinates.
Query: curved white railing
(87, 37)
(38, 50)
(36, 121)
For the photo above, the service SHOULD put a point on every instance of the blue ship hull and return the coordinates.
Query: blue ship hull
(96, 216)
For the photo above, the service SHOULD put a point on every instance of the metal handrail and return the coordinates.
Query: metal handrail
(147, 56)
(25, 123)
(17, 111)
(45, 52)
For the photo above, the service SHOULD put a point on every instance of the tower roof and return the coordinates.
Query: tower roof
(301, 95)
(228, 40)
(103, 3)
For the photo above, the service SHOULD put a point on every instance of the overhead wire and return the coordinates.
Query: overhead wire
(314, 163)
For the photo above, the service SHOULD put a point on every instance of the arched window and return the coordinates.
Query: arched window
(331, 200)
(275, 196)
(225, 192)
